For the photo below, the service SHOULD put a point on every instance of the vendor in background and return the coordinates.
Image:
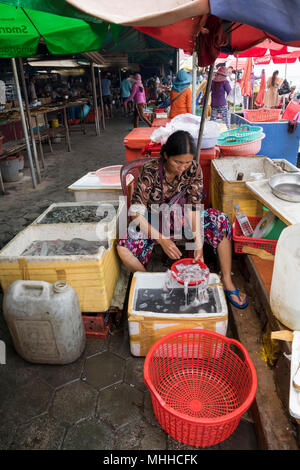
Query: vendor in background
(176, 178)
(220, 88)
(32, 89)
(106, 95)
(200, 94)
(126, 87)
(181, 95)
(230, 76)
(271, 99)
(291, 96)
(138, 97)
(2, 94)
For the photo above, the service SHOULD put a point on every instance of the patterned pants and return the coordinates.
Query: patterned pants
(225, 114)
(216, 226)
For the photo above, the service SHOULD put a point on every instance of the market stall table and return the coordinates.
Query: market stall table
(288, 212)
(89, 188)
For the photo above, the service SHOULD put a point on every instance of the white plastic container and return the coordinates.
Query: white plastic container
(285, 292)
(44, 321)
(294, 398)
(89, 188)
(146, 327)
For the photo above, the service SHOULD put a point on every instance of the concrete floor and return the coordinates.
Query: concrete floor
(100, 401)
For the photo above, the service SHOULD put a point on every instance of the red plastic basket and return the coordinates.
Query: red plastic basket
(201, 383)
(240, 240)
(262, 115)
(187, 261)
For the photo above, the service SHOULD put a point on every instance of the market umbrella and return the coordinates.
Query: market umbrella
(290, 57)
(246, 78)
(261, 93)
(21, 31)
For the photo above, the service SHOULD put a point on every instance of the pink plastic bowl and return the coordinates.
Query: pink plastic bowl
(242, 150)
(109, 174)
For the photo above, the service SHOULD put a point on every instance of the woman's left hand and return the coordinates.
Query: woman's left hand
(198, 255)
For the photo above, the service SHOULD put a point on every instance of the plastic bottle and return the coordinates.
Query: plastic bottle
(45, 321)
(285, 293)
(243, 222)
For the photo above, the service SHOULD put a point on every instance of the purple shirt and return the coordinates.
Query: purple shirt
(136, 95)
(218, 93)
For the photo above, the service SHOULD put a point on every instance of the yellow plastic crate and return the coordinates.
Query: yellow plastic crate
(93, 277)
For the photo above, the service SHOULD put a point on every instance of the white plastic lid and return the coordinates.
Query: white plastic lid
(60, 286)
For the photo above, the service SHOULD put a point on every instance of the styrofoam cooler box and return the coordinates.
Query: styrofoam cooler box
(89, 188)
(93, 276)
(146, 327)
(226, 191)
(116, 211)
(286, 165)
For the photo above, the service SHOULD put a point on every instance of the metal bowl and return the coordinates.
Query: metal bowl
(286, 186)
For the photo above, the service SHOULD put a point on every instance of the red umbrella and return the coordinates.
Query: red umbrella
(287, 58)
(246, 78)
(260, 95)
(208, 41)
(229, 27)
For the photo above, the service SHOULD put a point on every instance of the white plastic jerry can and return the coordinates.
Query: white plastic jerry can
(285, 286)
(45, 321)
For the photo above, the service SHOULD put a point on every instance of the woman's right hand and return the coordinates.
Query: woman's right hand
(169, 247)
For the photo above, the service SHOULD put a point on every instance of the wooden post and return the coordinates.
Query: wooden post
(39, 139)
(101, 99)
(203, 117)
(95, 100)
(67, 128)
(35, 155)
(194, 84)
(1, 183)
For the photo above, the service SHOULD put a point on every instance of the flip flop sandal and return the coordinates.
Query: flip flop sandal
(229, 293)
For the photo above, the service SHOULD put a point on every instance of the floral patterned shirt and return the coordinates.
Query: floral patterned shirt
(149, 186)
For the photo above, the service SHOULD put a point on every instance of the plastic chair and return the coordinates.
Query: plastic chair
(132, 168)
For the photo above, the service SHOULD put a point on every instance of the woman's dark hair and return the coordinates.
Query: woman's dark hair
(179, 143)
(274, 77)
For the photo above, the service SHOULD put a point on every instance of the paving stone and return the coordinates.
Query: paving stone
(7, 432)
(16, 371)
(140, 436)
(58, 375)
(26, 401)
(120, 405)
(103, 370)
(95, 346)
(89, 435)
(120, 344)
(43, 433)
(148, 410)
(135, 373)
(74, 402)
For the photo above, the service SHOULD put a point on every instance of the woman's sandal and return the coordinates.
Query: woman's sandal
(229, 293)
